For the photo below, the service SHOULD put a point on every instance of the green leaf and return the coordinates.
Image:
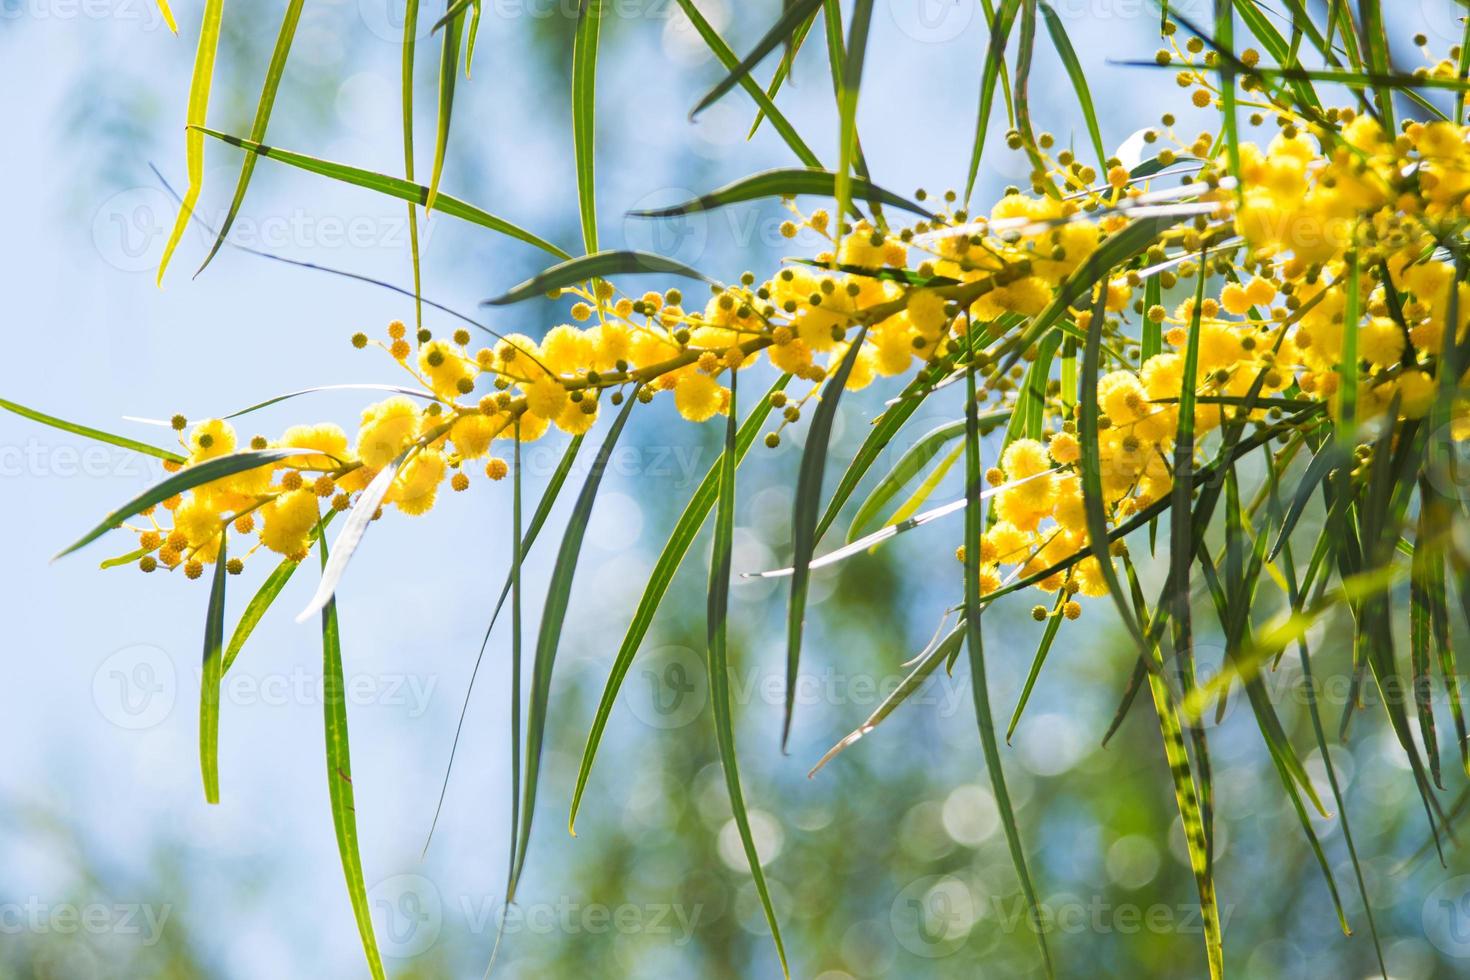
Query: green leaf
(517, 556)
(195, 116)
(780, 33)
(1091, 466)
(90, 433)
(356, 525)
(595, 266)
(584, 114)
(209, 693)
(680, 540)
(1053, 624)
(185, 479)
(929, 659)
(847, 100)
(1000, 32)
(265, 597)
(1065, 51)
(804, 517)
(339, 777)
(1328, 458)
(974, 641)
(448, 75)
(543, 510)
(767, 107)
(273, 75)
(1181, 553)
(405, 190)
(783, 69)
(395, 389)
(716, 623)
(782, 183)
(410, 47)
(908, 466)
(553, 617)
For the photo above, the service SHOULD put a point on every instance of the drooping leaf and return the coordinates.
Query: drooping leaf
(273, 74)
(768, 108)
(185, 479)
(669, 559)
(909, 465)
(595, 266)
(339, 777)
(1068, 55)
(1000, 32)
(553, 618)
(90, 433)
(780, 33)
(405, 190)
(804, 516)
(195, 116)
(783, 183)
(356, 525)
(448, 76)
(584, 114)
(974, 642)
(718, 661)
(209, 684)
(265, 597)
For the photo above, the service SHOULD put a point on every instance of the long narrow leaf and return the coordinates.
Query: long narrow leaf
(404, 190)
(273, 74)
(804, 517)
(195, 116)
(597, 265)
(553, 617)
(339, 778)
(680, 540)
(185, 479)
(209, 684)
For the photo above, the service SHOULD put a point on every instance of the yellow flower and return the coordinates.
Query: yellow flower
(472, 433)
(545, 398)
(387, 428)
(288, 522)
(417, 484)
(1023, 458)
(697, 396)
(446, 367)
(575, 420)
(1381, 341)
(328, 438)
(210, 439)
(566, 350)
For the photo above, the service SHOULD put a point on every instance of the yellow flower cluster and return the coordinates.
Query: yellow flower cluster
(1321, 211)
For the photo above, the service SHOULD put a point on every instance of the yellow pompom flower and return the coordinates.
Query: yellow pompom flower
(387, 428)
(697, 396)
(210, 439)
(1381, 341)
(326, 437)
(1023, 458)
(472, 433)
(416, 486)
(545, 398)
(574, 420)
(288, 522)
(1416, 392)
(566, 350)
(445, 366)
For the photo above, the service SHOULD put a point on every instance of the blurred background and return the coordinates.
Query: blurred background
(890, 862)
